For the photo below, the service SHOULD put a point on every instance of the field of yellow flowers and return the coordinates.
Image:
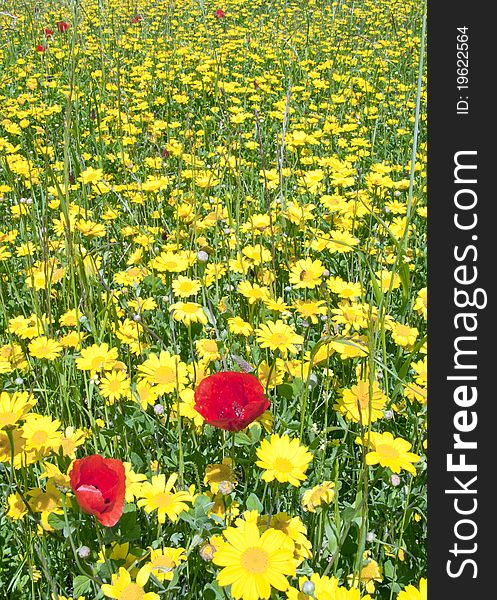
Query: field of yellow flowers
(212, 300)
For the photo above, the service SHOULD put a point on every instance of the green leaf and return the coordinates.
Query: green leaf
(202, 506)
(285, 390)
(253, 503)
(129, 527)
(56, 521)
(82, 585)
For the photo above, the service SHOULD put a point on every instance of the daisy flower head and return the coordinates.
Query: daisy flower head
(278, 336)
(164, 561)
(362, 404)
(391, 453)
(123, 588)
(43, 347)
(254, 563)
(97, 357)
(283, 459)
(188, 313)
(413, 593)
(165, 371)
(318, 495)
(307, 273)
(160, 495)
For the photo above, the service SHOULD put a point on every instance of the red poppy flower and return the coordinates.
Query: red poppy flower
(220, 14)
(48, 32)
(99, 485)
(62, 26)
(41, 48)
(136, 19)
(230, 400)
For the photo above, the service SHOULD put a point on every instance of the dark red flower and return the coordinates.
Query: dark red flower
(99, 485)
(48, 32)
(230, 400)
(62, 26)
(136, 19)
(41, 48)
(220, 14)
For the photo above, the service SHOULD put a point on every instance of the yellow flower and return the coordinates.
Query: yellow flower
(69, 318)
(306, 273)
(253, 292)
(147, 394)
(122, 588)
(296, 531)
(403, 335)
(239, 327)
(391, 453)
(412, 593)
(164, 561)
(71, 439)
(41, 433)
(188, 313)
(114, 385)
(370, 573)
(166, 371)
(170, 262)
(207, 349)
(186, 407)
(254, 563)
(17, 508)
(272, 374)
(97, 357)
(318, 495)
(185, 287)
(72, 339)
(311, 309)
(159, 495)
(217, 473)
(278, 336)
(324, 588)
(283, 459)
(344, 289)
(90, 175)
(388, 279)
(14, 407)
(421, 304)
(360, 404)
(416, 393)
(43, 347)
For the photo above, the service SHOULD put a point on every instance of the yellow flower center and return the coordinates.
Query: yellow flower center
(39, 437)
(132, 592)
(306, 276)
(278, 339)
(163, 564)
(97, 362)
(255, 560)
(163, 499)
(164, 375)
(210, 346)
(114, 385)
(387, 451)
(190, 308)
(283, 465)
(403, 330)
(170, 265)
(362, 398)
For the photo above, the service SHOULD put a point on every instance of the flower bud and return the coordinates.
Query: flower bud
(207, 552)
(83, 552)
(308, 588)
(395, 480)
